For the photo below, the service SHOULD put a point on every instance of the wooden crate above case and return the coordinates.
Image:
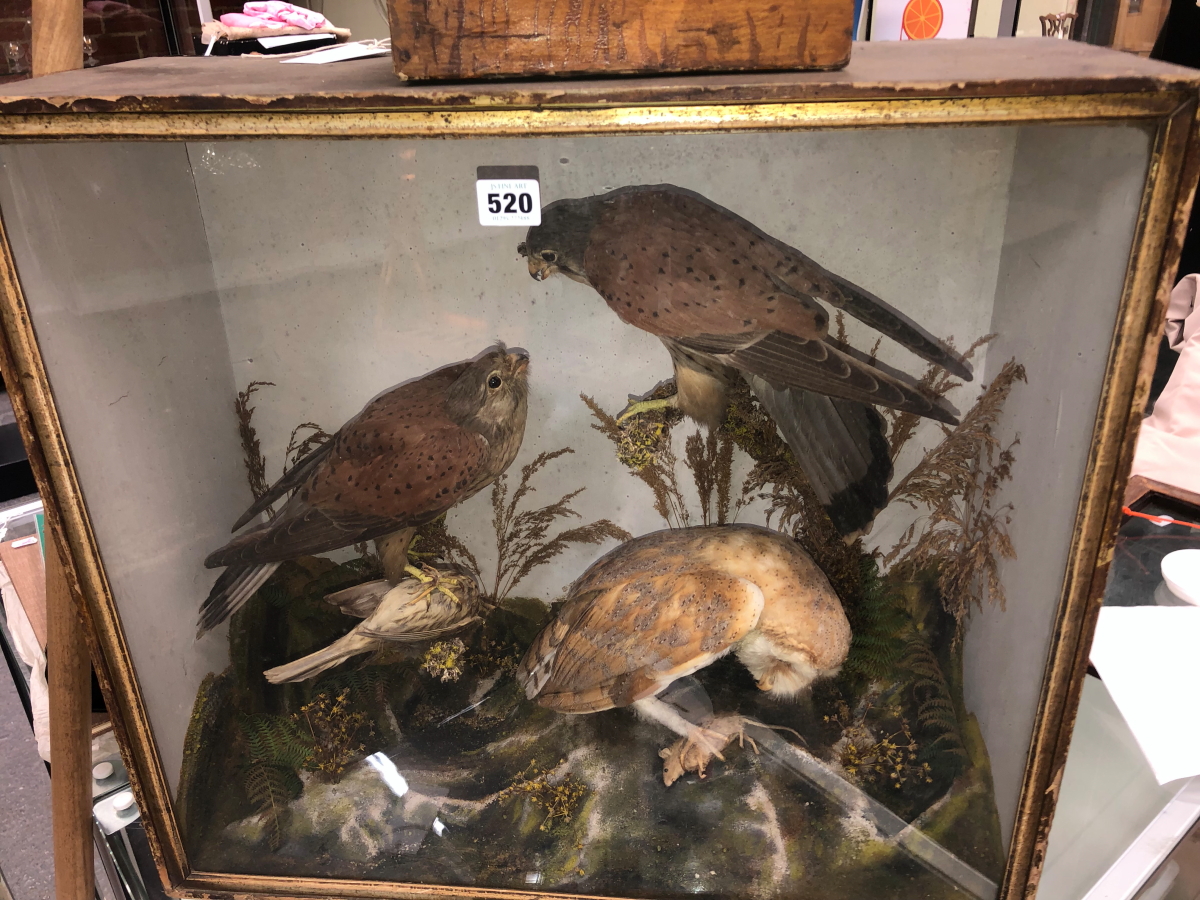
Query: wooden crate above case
(443, 39)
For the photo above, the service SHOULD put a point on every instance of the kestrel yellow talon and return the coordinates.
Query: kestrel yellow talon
(435, 581)
(446, 592)
(644, 406)
(418, 574)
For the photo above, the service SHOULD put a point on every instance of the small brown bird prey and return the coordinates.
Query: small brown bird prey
(726, 299)
(667, 604)
(411, 454)
(410, 612)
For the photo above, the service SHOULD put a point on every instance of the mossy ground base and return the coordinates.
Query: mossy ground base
(473, 803)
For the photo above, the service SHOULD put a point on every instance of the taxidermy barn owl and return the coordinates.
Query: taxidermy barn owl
(667, 604)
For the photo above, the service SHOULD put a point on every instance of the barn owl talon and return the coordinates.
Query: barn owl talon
(702, 744)
(644, 406)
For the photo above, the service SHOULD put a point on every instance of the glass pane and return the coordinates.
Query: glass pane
(209, 313)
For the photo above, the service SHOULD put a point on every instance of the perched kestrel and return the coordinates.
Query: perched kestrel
(667, 604)
(411, 454)
(726, 299)
(410, 612)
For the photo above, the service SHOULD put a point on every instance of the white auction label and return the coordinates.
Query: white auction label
(509, 201)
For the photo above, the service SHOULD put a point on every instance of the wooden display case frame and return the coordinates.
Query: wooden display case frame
(931, 84)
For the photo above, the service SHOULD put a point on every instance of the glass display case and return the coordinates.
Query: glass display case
(628, 488)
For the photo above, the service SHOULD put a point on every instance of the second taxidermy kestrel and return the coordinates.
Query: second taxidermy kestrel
(667, 604)
(409, 456)
(727, 299)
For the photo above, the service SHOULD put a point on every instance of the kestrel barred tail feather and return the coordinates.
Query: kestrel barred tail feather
(667, 604)
(409, 456)
(727, 299)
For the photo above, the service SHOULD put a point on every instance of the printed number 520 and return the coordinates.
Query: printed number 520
(510, 203)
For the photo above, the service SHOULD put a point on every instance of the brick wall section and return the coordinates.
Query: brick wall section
(14, 27)
(119, 31)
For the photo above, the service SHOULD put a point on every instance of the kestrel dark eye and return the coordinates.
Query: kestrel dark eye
(494, 382)
(522, 249)
(549, 255)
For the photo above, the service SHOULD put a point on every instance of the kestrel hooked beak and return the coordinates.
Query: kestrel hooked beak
(540, 268)
(517, 361)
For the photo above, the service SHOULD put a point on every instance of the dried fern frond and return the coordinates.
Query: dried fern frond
(298, 449)
(964, 536)
(256, 466)
(433, 542)
(522, 544)
(945, 470)
(710, 460)
(643, 445)
(270, 789)
(876, 621)
(935, 382)
(936, 714)
(273, 740)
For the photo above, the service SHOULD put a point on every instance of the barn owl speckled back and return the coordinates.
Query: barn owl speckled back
(669, 603)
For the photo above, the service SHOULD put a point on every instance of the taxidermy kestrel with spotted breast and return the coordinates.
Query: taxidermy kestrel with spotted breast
(409, 456)
(667, 604)
(727, 299)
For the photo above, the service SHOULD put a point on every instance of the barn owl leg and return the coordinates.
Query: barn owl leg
(656, 710)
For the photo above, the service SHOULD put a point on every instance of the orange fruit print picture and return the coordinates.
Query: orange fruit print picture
(922, 19)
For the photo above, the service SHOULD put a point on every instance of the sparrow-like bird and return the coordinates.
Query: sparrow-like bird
(667, 604)
(726, 299)
(409, 456)
(410, 612)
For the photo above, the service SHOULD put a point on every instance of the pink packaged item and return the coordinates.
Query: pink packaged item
(274, 14)
(1168, 448)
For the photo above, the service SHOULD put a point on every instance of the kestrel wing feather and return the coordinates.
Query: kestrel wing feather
(401, 462)
(885, 318)
(675, 266)
(291, 479)
(639, 635)
(785, 360)
(423, 391)
(299, 530)
(737, 255)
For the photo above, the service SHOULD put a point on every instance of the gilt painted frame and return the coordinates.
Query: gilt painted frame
(1165, 204)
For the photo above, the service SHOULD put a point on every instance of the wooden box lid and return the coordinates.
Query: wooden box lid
(445, 39)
